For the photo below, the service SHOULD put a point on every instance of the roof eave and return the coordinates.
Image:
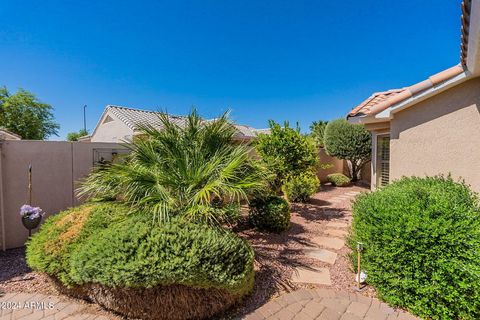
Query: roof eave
(388, 113)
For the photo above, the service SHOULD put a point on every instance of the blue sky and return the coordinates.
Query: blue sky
(282, 60)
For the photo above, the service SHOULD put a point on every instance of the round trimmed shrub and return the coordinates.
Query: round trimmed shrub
(422, 246)
(299, 188)
(338, 179)
(50, 249)
(176, 270)
(270, 214)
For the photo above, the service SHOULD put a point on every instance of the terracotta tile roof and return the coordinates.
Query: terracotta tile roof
(465, 19)
(374, 99)
(383, 100)
(133, 118)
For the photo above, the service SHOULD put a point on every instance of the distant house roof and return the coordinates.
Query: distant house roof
(134, 118)
(380, 101)
(8, 135)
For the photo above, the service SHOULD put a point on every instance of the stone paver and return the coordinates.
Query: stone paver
(334, 224)
(336, 233)
(312, 275)
(327, 304)
(323, 255)
(30, 306)
(329, 242)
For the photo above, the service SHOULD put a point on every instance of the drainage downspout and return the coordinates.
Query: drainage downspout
(2, 211)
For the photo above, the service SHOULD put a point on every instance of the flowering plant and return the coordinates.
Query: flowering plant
(31, 212)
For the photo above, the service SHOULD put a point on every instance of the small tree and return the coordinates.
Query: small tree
(74, 136)
(317, 131)
(350, 142)
(24, 115)
(286, 151)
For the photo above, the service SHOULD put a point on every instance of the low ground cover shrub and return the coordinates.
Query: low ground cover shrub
(338, 179)
(300, 187)
(422, 246)
(271, 213)
(126, 264)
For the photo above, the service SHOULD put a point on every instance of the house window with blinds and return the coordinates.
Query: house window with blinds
(383, 160)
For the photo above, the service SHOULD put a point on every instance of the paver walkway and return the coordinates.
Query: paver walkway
(325, 303)
(30, 306)
(309, 304)
(325, 244)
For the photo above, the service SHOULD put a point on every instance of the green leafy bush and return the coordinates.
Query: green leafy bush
(338, 179)
(137, 255)
(271, 213)
(50, 249)
(422, 246)
(348, 141)
(285, 151)
(174, 270)
(299, 188)
(90, 245)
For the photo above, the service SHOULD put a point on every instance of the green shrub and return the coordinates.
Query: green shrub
(299, 188)
(90, 244)
(348, 141)
(50, 249)
(271, 213)
(338, 179)
(285, 151)
(137, 255)
(422, 246)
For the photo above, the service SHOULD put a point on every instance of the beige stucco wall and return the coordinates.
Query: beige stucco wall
(115, 131)
(337, 165)
(439, 135)
(56, 167)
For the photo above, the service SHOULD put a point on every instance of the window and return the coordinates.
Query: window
(383, 160)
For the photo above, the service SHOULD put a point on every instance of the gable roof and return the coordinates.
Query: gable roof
(133, 118)
(8, 135)
(382, 100)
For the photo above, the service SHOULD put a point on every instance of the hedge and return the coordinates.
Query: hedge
(422, 246)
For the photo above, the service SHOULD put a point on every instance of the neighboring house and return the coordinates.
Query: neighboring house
(7, 135)
(432, 127)
(119, 124)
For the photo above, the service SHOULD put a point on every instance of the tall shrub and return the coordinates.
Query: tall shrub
(286, 152)
(350, 142)
(422, 246)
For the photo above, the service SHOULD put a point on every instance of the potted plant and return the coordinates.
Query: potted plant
(31, 217)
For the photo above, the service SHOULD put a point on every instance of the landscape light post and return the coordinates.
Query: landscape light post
(359, 253)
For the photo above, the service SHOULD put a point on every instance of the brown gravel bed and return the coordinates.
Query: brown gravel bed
(276, 256)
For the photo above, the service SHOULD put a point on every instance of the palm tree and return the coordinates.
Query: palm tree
(181, 170)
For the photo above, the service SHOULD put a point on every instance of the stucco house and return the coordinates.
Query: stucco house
(8, 135)
(431, 127)
(119, 124)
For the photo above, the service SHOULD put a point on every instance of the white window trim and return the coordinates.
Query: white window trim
(373, 178)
